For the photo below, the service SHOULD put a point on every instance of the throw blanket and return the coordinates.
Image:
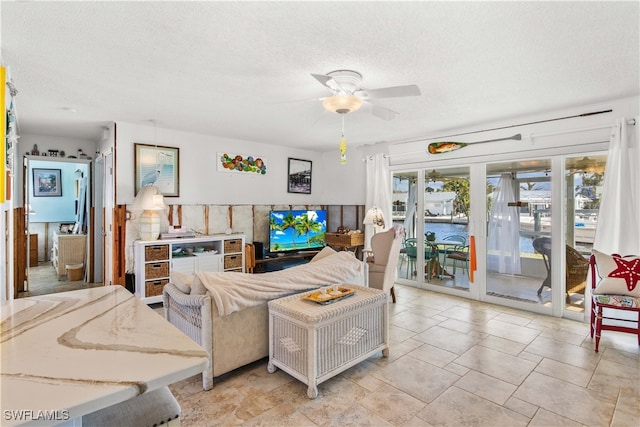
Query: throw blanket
(236, 291)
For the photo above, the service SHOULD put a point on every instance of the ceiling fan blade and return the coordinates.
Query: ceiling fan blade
(322, 79)
(382, 112)
(390, 92)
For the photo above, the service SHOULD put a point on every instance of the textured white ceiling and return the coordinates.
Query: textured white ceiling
(242, 69)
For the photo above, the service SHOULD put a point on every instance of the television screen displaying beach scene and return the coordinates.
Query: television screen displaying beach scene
(296, 230)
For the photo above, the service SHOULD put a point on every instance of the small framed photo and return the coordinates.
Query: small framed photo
(47, 183)
(299, 176)
(158, 166)
(66, 228)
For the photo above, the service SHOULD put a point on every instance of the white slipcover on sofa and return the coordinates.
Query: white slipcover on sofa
(227, 314)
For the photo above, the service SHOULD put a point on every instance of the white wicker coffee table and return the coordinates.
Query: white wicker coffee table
(314, 342)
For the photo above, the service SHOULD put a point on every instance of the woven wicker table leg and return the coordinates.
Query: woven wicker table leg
(385, 352)
(271, 368)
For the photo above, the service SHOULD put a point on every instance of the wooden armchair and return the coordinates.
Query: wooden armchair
(577, 268)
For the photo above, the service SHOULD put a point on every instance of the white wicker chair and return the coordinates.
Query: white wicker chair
(192, 315)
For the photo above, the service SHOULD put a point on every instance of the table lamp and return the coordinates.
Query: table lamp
(150, 201)
(375, 217)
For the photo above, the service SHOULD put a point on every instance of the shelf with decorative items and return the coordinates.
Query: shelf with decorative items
(155, 260)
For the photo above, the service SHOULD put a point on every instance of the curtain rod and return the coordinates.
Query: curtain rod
(507, 127)
(630, 122)
(370, 157)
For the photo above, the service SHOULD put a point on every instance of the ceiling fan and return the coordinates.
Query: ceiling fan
(434, 176)
(587, 165)
(348, 94)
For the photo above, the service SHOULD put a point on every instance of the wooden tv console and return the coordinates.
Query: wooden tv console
(286, 260)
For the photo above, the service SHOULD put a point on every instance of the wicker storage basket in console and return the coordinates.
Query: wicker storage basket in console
(231, 246)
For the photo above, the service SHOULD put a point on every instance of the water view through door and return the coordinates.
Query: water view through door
(522, 225)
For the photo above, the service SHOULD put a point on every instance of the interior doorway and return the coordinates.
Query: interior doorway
(57, 200)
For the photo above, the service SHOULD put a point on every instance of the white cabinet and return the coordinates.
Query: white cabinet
(185, 264)
(155, 260)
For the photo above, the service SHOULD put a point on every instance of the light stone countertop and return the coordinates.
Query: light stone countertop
(80, 351)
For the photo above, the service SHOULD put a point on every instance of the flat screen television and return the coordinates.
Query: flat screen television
(295, 230)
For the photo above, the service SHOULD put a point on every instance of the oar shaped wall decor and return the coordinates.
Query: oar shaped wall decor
(445, 147)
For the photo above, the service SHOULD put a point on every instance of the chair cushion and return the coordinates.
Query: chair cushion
(149, 409)
(325, 252)
(197, 287)
(619, 275)
(459, 255)
(618, 300)
(182, 281)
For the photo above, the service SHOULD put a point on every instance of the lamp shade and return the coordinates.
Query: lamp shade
(342, 104)
(374, 216)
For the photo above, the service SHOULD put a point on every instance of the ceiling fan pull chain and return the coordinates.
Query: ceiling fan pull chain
(343, 145)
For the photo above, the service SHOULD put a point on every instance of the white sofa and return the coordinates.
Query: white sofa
(236, 339)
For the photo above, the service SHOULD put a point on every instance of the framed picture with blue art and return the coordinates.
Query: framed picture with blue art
(47, 183)
(158, 166)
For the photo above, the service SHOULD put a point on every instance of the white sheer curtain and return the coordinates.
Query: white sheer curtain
(618, 228)
(410, 220)
(503, 240)
(378, 191)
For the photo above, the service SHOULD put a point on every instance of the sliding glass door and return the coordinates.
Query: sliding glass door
(518, 249)
(434, 207)
(533, 221)
(404, 209)
(446, 227)
(583, 176)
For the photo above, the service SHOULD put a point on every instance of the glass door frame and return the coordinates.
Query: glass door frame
(478, 225)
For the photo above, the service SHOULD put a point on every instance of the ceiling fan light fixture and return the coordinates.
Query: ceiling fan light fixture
(434, 176)
(587, 165)
(342, 104)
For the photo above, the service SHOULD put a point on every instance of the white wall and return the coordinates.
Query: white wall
(202, 183)
(343, 184)
(56, 209)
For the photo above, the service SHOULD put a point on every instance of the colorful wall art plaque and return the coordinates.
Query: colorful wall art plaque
(255, 165)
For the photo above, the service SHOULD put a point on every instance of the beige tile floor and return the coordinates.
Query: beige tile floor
(453, 362)
(43, 281)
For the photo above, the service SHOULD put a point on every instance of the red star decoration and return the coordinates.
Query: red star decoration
(628, 269)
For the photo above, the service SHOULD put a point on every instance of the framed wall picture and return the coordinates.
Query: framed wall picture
(158, 166)
(299, 176)
(47, 183)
